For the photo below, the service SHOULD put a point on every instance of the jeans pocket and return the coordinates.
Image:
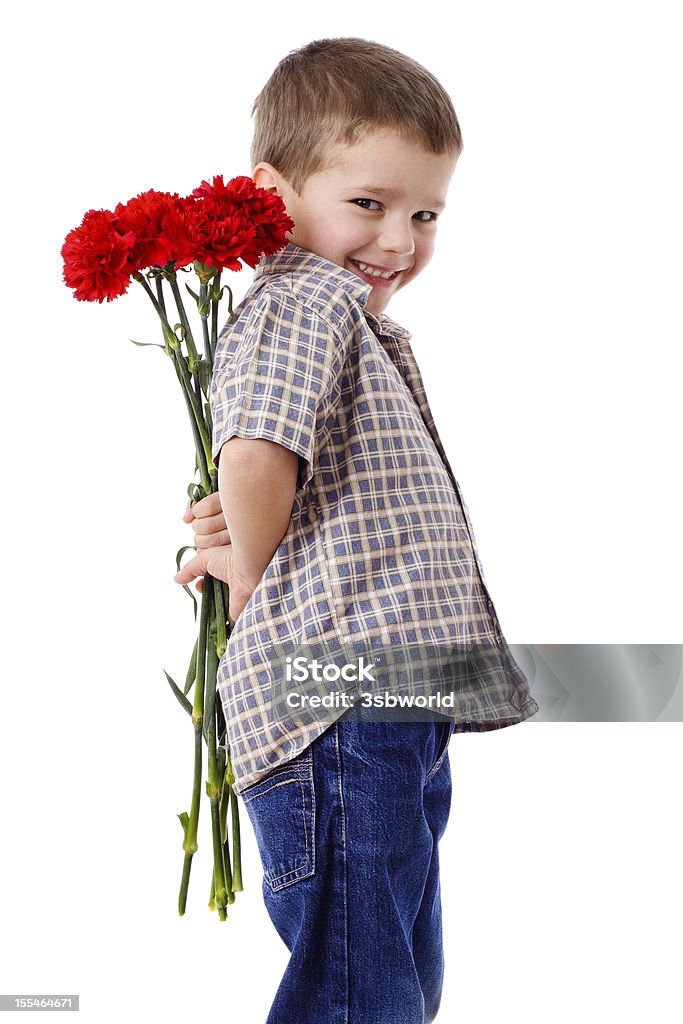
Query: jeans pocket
(447, 729)
(281, 807)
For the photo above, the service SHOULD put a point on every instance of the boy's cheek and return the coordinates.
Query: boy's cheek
(425, 259)
(407, 278)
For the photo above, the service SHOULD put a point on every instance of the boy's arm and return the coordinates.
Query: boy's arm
(257, 484)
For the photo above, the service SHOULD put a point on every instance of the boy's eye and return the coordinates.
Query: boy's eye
(425, 216)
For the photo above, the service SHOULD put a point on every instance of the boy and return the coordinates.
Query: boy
(338, 519)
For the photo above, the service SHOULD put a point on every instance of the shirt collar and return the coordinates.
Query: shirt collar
(293, 257)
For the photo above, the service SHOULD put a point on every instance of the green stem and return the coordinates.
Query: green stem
(199, 417)
(225, 803)
(210, 695)
(236, 843)
(215, 298)
(213, 634)
(221, 639)
(198, 440)
(214, 784)
(204, 305)
(184, 883)
(189, 339)
(199, 427)
(170, 338)
(220, 889)
(160, 294)
(189, 844)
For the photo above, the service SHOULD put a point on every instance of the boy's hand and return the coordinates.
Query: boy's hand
(214, 552)
(207, 519)
(218, 562)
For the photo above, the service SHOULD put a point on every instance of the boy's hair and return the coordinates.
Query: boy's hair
(335, 90)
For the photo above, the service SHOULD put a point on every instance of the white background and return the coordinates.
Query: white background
(547, 329)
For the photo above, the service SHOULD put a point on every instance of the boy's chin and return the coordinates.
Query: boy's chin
(377, 305)
(372, 307)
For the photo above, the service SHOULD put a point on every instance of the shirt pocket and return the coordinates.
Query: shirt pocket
(281, 807)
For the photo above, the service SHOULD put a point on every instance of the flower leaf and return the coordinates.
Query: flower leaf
(204, 371)
(191, 669)
(179, 694)
(146, 344)
(179, 555)
(194, 491)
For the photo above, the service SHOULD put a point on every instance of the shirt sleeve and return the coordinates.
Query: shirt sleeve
(281, 382)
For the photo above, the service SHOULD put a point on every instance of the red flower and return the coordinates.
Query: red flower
(96, 257)
(178, 232)
(145, 215)
(220, 234)
(217, 225)
(257, 208)
(217, 191)
(267, 211)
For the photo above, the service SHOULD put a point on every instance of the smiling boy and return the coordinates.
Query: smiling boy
(373, 209)
(338, 520)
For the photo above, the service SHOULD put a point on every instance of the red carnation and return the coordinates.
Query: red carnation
(179, 233)
(145, 215)
(261, 209)
(217, 191)
(96, 257)
(218, 225)
(220, 234)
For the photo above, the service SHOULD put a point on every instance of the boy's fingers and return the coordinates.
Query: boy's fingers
(195, 567)
(211, 540)
(208, 506)
(210, 524)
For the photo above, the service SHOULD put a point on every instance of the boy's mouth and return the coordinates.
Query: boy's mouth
(375, 275)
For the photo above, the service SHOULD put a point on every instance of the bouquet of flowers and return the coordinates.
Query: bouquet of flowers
(150, 239)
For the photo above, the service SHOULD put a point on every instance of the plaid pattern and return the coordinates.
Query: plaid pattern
(380, 547)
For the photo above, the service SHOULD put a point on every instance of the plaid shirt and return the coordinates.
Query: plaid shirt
(380, 545)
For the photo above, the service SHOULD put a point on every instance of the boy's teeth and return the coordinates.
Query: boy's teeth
(375, 273)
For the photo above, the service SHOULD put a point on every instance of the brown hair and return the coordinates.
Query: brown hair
(332, 90)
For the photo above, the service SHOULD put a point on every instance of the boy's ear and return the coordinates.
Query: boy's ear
(266, 176)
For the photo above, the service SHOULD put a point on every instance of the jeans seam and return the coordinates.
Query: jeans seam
(301, 773)
(299, 766)
(307, 866)
(437, 764)
(345, 872)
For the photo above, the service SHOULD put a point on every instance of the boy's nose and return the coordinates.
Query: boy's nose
(397, 238)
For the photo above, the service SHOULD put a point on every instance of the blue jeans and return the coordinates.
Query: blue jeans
(348, 834)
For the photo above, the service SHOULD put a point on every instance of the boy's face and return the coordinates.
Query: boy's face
(375, 203)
